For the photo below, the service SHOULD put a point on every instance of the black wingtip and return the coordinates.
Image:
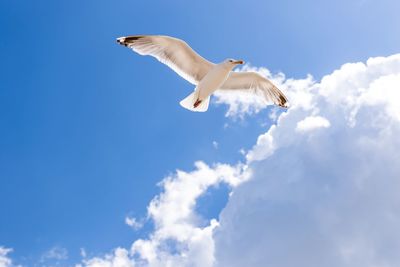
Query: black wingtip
(125, 41)
(133, 38)
(121, 41)
(283, 102)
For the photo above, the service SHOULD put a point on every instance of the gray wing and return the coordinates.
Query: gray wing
(253, 81)
(173, 52)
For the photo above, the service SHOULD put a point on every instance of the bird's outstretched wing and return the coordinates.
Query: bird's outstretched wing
(173, 52)
(260, 85)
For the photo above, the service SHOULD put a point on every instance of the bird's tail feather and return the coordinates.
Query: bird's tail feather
(189, 101)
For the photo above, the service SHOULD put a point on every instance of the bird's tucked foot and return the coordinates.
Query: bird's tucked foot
(197, 103)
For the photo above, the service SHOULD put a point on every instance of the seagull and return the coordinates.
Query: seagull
(205, 75)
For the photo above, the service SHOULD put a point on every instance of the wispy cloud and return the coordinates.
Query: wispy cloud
(83, 252)
(55, 253)
(133, 223)
(215, 144)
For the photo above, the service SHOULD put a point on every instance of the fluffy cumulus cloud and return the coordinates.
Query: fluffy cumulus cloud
(324, 188)
(119, 258)
(181, 237)
(319, 188)
(311, 123)
(5, 260)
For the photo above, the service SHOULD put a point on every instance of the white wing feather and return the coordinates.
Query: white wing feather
(254, 81)
(173, 52)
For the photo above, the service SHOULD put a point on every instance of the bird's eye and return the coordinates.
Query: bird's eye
(230, 60)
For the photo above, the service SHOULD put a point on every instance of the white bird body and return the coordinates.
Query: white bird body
(213, 80)
(208, 85)
(207, 76)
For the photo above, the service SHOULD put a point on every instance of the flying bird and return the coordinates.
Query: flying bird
(205, 75)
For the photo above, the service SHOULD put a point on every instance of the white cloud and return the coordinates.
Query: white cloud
(311, 123)
(83, 252)
(5, 261)
(215, 144)
(133, 222)
(181, 237)
(329, 198)
(55, 253)
(119, 258)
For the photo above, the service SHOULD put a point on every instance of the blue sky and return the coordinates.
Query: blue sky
(88, 128)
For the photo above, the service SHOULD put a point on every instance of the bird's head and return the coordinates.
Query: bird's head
(233, 62)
